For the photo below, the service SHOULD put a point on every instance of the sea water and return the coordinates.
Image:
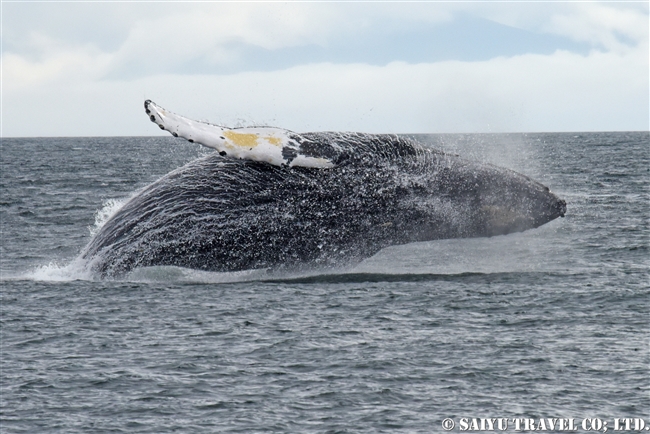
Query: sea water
(549, 323)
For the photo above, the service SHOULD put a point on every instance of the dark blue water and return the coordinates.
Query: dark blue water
(551, 322)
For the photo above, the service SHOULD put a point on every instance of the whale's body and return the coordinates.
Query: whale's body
(348, 196)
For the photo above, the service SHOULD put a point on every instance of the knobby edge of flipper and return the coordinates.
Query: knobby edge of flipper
(275, 146)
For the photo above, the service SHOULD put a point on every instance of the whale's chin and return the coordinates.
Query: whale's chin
(505, 220)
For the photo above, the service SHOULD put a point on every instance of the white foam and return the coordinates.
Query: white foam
(77, 268)
(186, 275)
(56, 272)
(108, 210)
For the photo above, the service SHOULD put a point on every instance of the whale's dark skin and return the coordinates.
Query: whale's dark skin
(223, 214)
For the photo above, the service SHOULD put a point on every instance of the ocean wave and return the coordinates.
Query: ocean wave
(56, 272)
(170, 274)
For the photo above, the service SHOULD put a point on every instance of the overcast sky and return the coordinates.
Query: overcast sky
(85, 69)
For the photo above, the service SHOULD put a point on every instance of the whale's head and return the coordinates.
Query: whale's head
(506, 201)
(514, 204)
(468, 199)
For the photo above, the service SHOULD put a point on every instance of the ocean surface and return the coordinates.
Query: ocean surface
(549, 323)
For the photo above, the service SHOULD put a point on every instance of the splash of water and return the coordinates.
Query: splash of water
(57, 272)
(77, 269)
(108, 210)
(187, 275)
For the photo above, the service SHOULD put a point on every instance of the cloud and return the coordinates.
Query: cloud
(612, 28)
(55, 64)
(521, 93)
(210, 32)
(605, 26)
(312, 66)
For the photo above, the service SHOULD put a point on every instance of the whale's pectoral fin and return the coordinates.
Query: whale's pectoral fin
(272, 145)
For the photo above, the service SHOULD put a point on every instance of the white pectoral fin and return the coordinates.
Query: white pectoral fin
(272, 145)
(179, 126)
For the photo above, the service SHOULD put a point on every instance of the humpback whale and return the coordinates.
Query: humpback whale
(269, 198)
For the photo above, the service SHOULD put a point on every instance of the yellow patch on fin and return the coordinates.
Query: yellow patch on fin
(242, 139)
(274, 140)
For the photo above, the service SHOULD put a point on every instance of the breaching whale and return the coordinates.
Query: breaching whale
(269, 198)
